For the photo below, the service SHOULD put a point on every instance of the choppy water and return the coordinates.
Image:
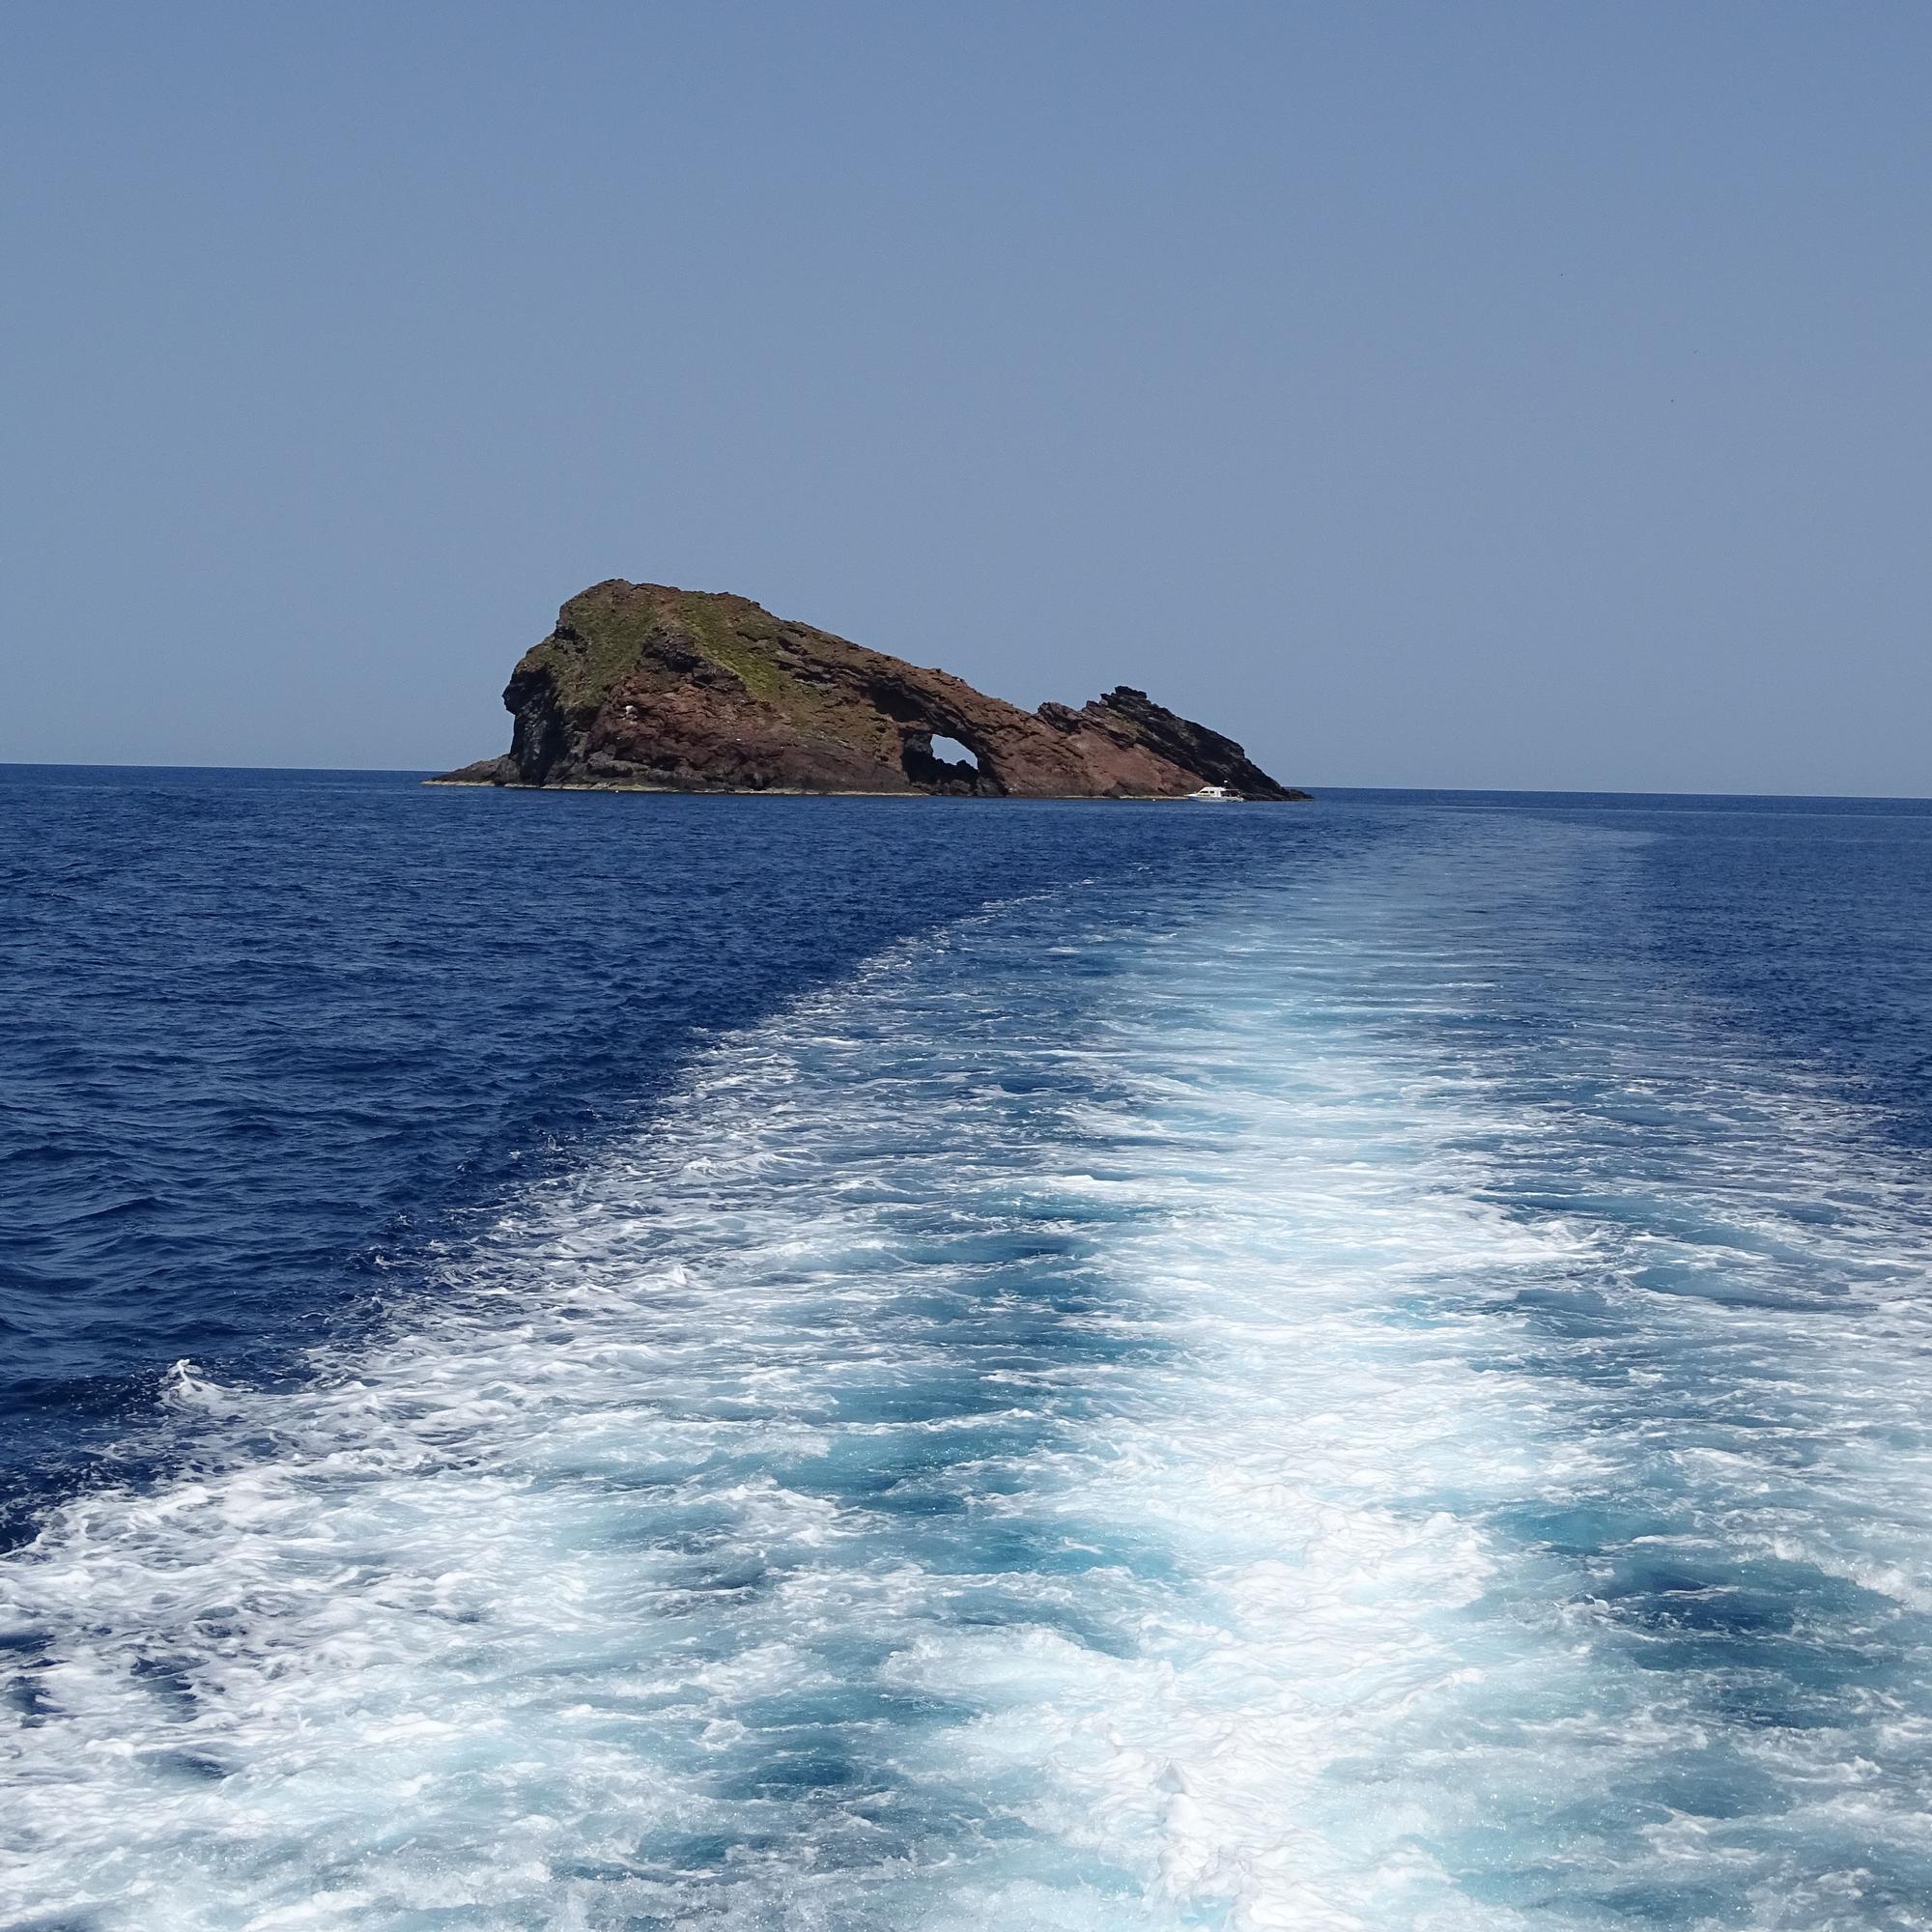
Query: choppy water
(643, 1363)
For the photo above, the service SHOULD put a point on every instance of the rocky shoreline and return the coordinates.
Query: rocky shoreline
(644, 687)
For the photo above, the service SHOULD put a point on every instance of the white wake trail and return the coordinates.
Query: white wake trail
(1033, 1437)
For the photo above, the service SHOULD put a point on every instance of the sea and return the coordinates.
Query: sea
(852, 1365)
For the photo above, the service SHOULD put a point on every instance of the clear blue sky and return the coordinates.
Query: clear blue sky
(1428, 394)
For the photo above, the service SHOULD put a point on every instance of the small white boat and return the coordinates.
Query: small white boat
(1214, 795)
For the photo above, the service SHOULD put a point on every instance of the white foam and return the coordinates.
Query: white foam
(995, 1451)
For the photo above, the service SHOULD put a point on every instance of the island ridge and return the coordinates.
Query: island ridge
(643, 687)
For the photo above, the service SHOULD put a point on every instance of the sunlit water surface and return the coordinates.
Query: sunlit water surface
(962, 1367)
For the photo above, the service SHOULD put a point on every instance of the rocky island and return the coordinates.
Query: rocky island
(646, 688)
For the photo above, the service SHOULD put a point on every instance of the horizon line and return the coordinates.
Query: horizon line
(1309, 784)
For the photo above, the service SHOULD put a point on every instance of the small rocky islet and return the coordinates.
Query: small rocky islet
(643, 687)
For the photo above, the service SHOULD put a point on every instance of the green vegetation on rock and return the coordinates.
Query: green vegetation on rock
(644, 686)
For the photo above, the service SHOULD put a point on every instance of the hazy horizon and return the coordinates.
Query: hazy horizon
(1488, 399)
(1318, 788)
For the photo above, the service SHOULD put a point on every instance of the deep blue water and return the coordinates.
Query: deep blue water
(619, 1362)
(271, 1034)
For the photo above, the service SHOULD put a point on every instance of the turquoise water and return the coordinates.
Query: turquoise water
(1360, 1367)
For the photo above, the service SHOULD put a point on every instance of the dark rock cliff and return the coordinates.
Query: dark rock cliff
(646, 687)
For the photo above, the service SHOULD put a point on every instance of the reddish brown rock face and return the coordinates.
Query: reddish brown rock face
(644, 687)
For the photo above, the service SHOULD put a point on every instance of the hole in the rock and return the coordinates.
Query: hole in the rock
(950, 752)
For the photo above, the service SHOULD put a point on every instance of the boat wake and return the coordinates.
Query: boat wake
(1273, 1408)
